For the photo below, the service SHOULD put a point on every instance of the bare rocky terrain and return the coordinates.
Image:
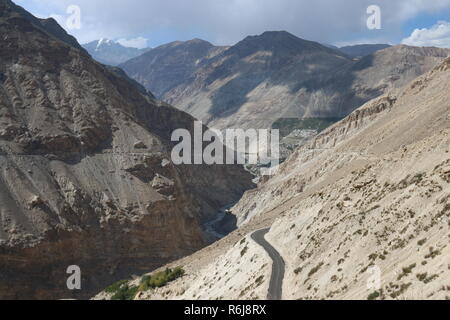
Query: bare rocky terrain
(164, 68)
(368, 197)
(85, 171)
(362, 50)
(274, 75)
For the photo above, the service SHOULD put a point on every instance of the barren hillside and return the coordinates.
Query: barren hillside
(85, 171)
(370, 196)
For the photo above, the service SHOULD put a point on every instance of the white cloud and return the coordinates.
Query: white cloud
(438, 36)
(139, 42)
(228, 21)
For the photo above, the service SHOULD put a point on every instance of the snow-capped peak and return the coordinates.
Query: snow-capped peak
(103, 41)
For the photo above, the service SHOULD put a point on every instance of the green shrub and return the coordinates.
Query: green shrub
(125, 292)
(160, 279)
(115, 286)
(315, 269)
(406, 271)
(373, 295)
(422, 276)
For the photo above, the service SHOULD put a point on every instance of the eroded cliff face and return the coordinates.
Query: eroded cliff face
(85, 171)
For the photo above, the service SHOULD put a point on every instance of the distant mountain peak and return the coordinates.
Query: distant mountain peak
(105, 41)
(273, 36)
(186, 44)
(197, 40)
(111, 52)
(281, 42)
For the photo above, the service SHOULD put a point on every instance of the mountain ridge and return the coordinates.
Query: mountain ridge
(277, 75)
(49, 25)
(361, 50)
(170, 70)
(86, 177)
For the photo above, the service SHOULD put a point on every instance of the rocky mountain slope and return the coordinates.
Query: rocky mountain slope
(360, 212)
(167, 66)
(49, 25)
(277, 75)
(111, 52)
(362, 50)
(85, 171)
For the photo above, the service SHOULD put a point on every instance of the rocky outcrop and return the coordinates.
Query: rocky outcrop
(85, 171)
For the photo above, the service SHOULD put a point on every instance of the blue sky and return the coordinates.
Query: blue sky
(425, 20)
(340, 22)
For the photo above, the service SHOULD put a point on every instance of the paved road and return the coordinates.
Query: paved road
(278, 267)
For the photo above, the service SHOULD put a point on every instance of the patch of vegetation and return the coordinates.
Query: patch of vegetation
(374, 295)
(421, 276)
(115, 286)
(288, 125)
(298, 270)
(315, 269)
(406, 271)
(259, 280)
(425, 278)
(418, 177)
(430, 278)
(244, 251)
(432, 253)
(422, 242)
(402, 290)
(125, 292)
(373, 256)
(160, 279)
(446, 209)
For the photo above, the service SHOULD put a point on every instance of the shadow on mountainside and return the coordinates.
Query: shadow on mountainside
(306, 78)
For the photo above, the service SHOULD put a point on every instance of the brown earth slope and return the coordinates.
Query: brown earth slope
(85, 171)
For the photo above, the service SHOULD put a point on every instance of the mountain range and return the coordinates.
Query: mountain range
(273, 76)
(359, 210)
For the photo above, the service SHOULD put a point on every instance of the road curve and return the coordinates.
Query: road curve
(278, 267)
